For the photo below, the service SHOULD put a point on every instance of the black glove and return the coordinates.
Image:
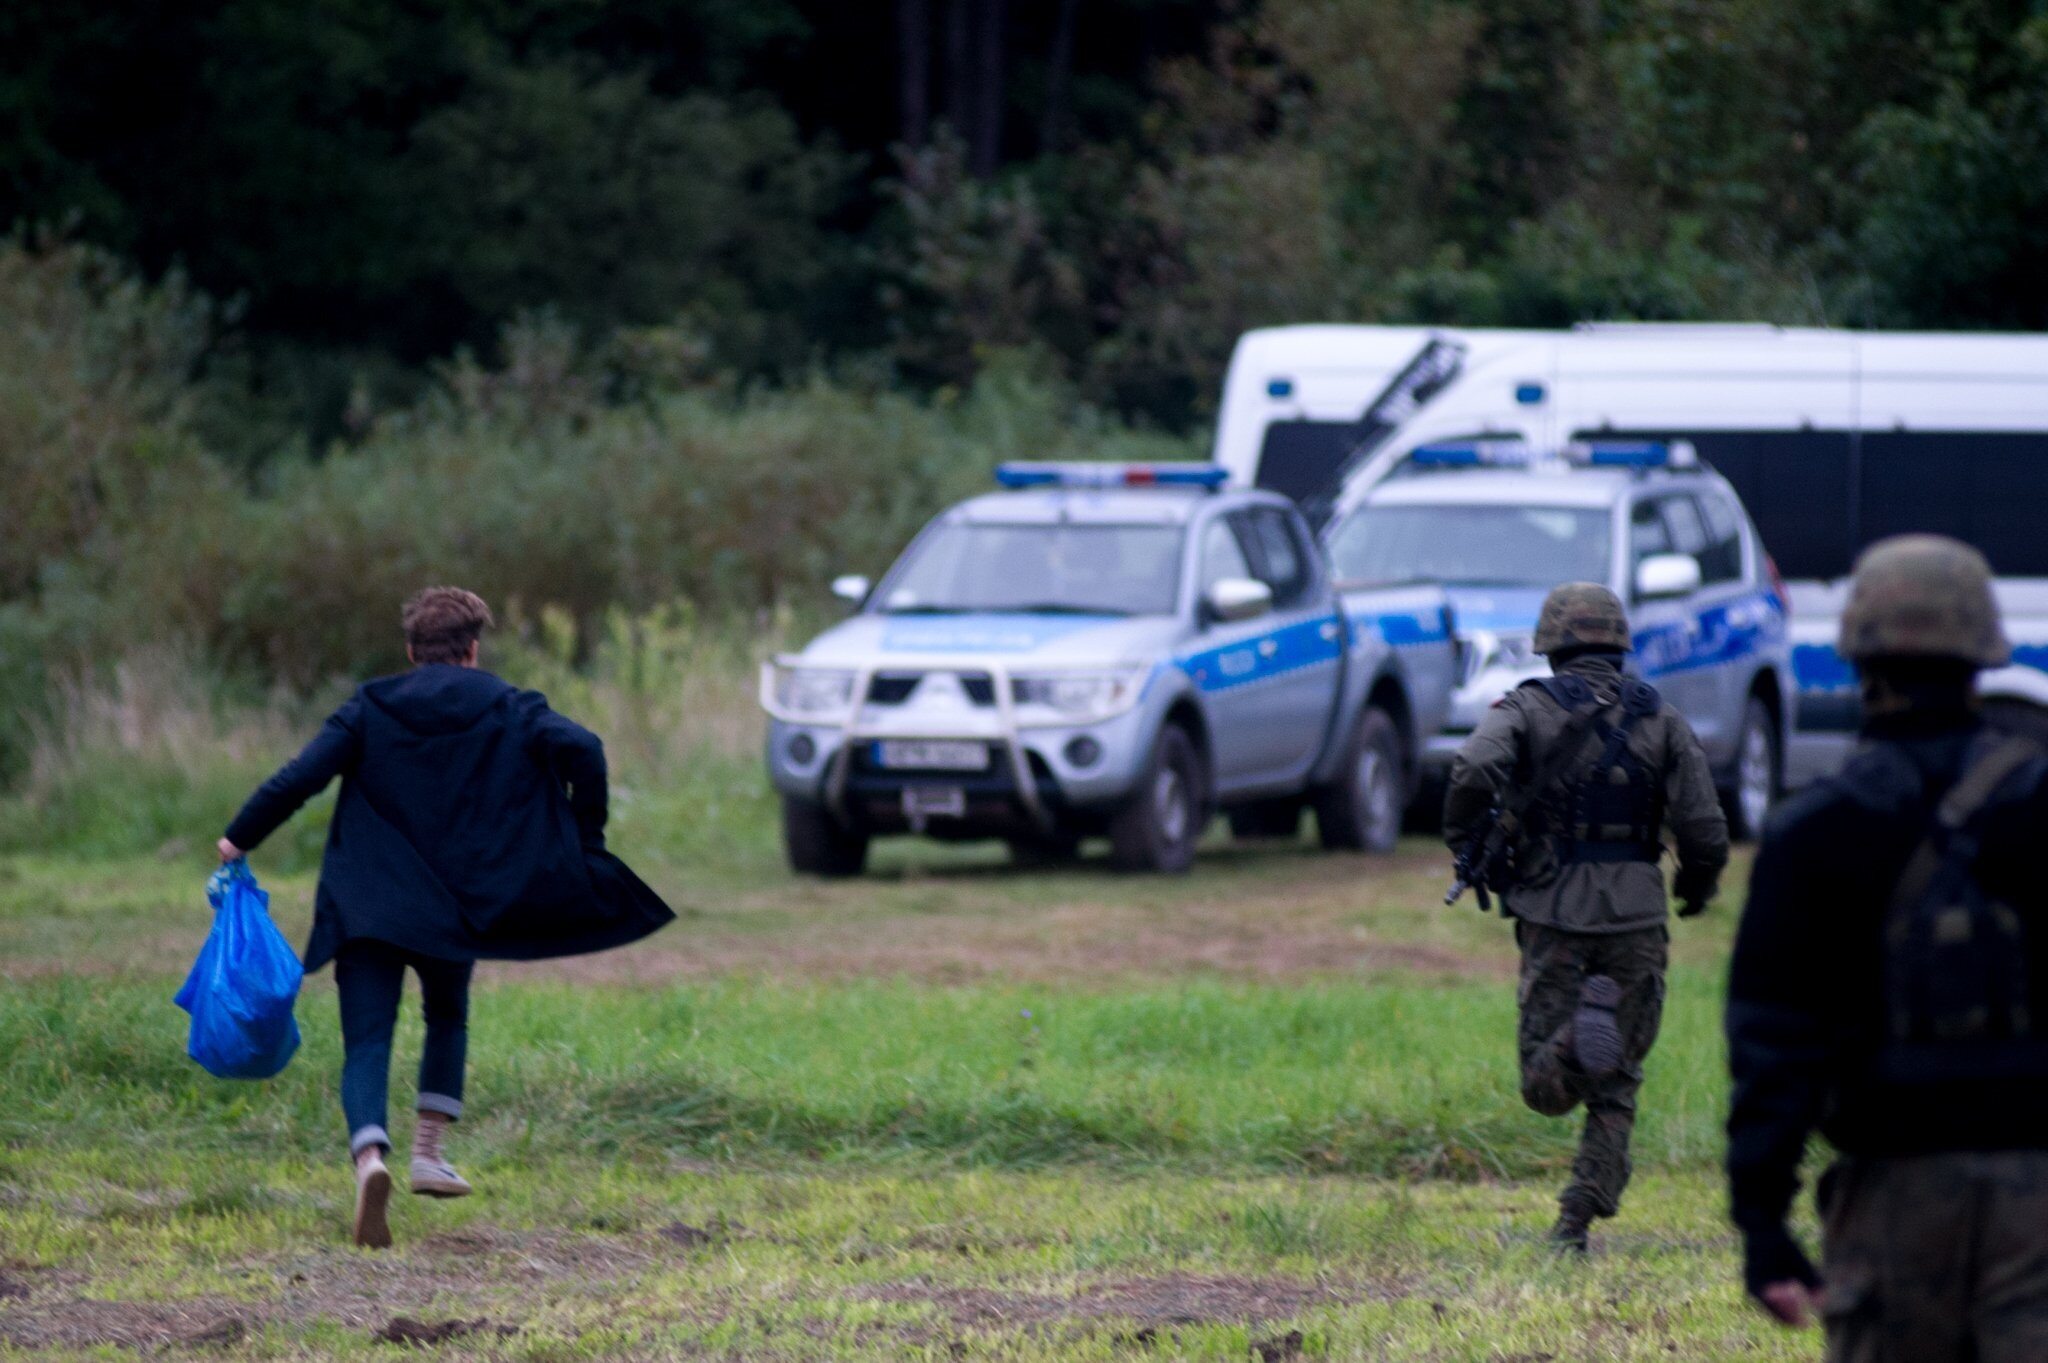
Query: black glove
(1692, 906)
(1771, 1255)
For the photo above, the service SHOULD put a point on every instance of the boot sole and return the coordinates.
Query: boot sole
(442, 1190)
(1596, 1036)
(373, 1196)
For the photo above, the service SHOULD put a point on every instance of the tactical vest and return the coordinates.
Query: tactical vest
(1612, 806)
(1959, 1000)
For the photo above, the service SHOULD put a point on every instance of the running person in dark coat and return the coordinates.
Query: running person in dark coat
(470, 826)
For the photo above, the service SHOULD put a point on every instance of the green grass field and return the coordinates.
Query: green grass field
(952, 1110)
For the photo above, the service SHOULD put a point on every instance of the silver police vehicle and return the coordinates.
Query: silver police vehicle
(1114, 650)
(1500, 525)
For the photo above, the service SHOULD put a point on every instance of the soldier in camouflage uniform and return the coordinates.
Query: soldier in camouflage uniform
(1608, 768)
(1890, 989)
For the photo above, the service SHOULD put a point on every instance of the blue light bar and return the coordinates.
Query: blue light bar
(1470, 453)
(1023, 475)
(1634, 454)
(1279, 388)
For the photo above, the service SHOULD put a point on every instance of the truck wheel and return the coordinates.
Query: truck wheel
(817, 844)
(1753, 783)
(1361, 810)
(1156, 828)
(1266, 819)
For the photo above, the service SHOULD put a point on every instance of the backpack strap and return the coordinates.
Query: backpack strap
(1988, 767)
(1582, 705)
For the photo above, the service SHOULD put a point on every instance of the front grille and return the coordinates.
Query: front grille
(893, 688)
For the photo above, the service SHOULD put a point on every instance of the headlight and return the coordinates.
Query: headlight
(1075, 697)
(1486, 650)
(811, 693)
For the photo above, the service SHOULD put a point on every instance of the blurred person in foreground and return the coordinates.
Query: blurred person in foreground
(1560, 801)
(1890, 989)
(470, 826)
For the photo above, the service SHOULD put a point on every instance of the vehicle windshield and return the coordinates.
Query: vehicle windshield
(1508, 546)
(1071, 569)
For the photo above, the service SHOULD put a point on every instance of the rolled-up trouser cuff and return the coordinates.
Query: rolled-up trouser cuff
(451, 1108)
(367, 1136)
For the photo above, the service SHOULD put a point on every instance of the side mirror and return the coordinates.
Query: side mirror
(1661, 576)
(1238, 598)
(852, 588)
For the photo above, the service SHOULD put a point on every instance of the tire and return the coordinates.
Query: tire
(1157, 828)
(818, 845)
(1056, 849)
(1266, 821)
(1361, 810)
(1758, 772)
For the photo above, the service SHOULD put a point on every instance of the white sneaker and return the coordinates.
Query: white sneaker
(373, 1193)
(437, 1178)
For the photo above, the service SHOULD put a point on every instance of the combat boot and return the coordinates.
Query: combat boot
(1596, 1036)
(1569, 1236)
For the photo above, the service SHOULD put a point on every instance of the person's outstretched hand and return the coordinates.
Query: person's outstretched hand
(228, 851)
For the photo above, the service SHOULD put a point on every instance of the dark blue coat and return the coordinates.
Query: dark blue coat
(470, 825)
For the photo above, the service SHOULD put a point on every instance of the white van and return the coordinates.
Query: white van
(1832, 439)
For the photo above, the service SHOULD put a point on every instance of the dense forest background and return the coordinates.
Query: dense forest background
(614, 303)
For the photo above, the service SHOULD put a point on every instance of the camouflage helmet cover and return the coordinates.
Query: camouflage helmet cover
(1924, 596)
(1581, 615)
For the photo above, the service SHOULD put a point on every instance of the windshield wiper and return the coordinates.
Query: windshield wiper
(926, 610)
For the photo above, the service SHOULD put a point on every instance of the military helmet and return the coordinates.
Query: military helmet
(1581, 615)
(1924, 596)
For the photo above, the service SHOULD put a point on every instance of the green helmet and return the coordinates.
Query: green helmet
(1581, 615)
(1923, 596)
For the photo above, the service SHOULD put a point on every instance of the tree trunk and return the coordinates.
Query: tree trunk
(988, 80)
(1059, 69)
(959, 78)
(914, 70)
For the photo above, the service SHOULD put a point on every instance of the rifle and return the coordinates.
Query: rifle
(1488, 862)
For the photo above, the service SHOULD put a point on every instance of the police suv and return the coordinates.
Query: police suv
(1103, 649)
(1500, 524)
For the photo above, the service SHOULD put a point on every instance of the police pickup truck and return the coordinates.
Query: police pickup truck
(1104, 649)
(1499, 524)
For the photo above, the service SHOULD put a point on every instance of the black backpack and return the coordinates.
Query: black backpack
(1612, 808)
(1959, 997)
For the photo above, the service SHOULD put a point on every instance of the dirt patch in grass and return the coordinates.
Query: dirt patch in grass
(477, 1266)
(85, 1322)
(423, 1334)
(1170, 1299)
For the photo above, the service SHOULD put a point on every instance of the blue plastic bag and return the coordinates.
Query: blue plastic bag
(242, 988)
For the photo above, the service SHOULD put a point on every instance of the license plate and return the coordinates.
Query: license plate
(934, 802)
(899, 754)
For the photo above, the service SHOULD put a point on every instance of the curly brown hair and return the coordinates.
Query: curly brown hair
(442, 622)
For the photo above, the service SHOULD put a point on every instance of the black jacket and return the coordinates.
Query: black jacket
(470, 825)
(1806, 989)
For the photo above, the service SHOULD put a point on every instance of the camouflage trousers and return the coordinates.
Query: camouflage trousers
(1937, 1258)
(1554, 964)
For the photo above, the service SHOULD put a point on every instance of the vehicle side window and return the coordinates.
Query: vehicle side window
(1222, 555)
(1688, 532)
(1279, 560)
(1722, 560)
(1647, 533)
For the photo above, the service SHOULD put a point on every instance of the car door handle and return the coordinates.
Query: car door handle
(1268, 647)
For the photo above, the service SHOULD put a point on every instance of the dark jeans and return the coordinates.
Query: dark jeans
(370, 977)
